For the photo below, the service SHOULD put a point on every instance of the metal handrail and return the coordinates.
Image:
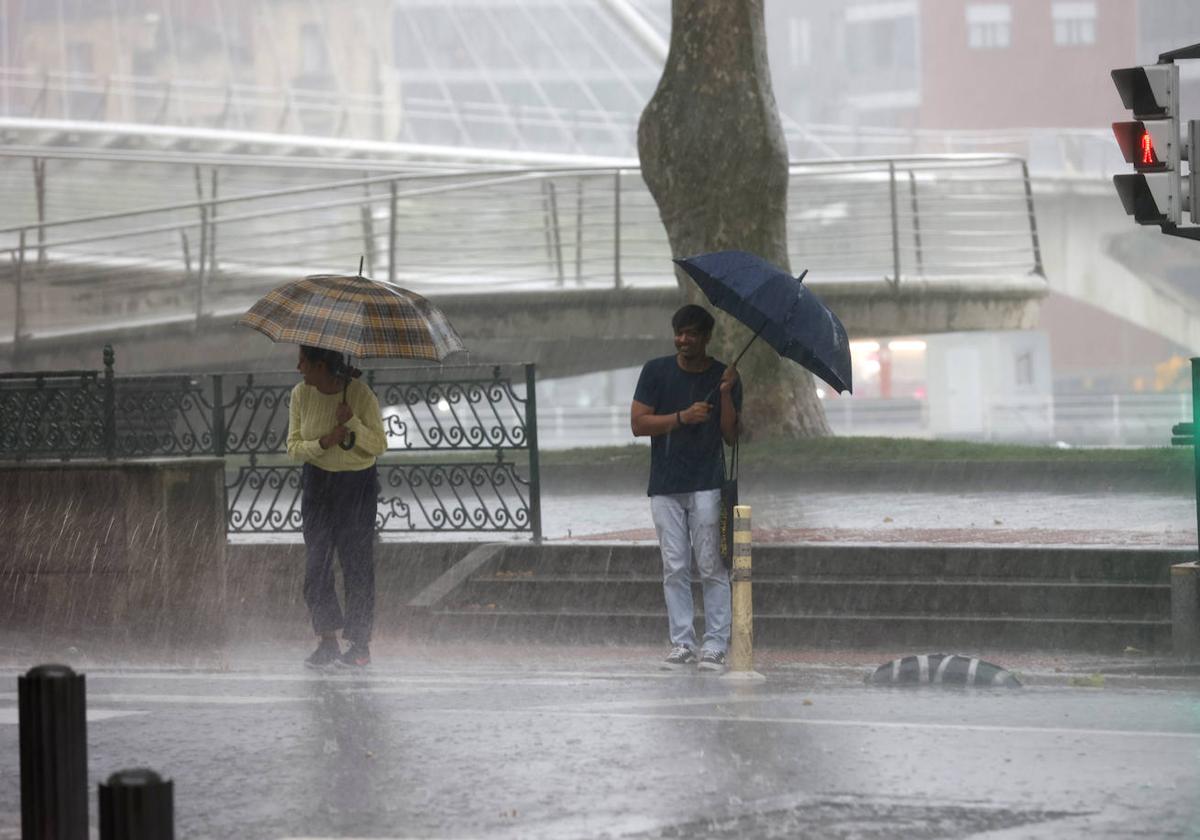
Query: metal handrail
(586, 225)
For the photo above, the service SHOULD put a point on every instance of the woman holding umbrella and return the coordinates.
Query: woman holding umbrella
(336, 429)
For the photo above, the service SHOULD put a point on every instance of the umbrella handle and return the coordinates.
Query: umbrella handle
(739, 358)
(348, 443)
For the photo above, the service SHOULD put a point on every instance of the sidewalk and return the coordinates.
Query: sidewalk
(1004, 518)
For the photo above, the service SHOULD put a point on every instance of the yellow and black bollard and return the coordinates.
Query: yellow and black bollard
(741, 646)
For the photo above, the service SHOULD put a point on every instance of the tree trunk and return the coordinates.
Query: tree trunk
(714, 157)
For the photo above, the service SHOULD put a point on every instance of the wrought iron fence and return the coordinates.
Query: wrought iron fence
(455, 438)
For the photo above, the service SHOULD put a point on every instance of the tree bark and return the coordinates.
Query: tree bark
(715, 159)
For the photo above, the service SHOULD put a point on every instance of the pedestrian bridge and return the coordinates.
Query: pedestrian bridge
(562, 263)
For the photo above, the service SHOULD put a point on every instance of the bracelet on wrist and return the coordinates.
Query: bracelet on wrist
(679, 418)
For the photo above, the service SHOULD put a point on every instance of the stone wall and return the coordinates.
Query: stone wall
(265, 585)
(129, 550)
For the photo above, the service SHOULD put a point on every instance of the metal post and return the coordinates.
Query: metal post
(200, 275)
(1195, 434)
(741, 647)
(1033, 231)
(39, 192)
(579, 231)
(392, 232)
(916, 222)
(137, 805)
(218, 417)
(187, 255)
(212, 226)
(368, 234)
(110, 404)
(1116, 419)
(18, 258)
(617, 229)
(556, 231)
(54, 787)
(531, 441)
(895, 225)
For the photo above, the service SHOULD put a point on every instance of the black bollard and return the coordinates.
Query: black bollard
(54, 788)
(137, 805)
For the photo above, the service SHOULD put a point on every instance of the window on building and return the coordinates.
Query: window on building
(314, 60)
(1023, 368)
(1074, 23)
(989, 25)
(799, 42)
(81, 58)
(882, 37)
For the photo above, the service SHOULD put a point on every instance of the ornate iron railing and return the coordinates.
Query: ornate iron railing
(455, 435)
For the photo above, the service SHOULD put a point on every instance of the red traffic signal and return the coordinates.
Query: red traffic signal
(1138, 145)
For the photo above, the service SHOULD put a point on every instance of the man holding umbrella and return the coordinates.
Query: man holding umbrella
(674, 406)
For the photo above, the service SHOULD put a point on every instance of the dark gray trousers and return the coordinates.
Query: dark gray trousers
(337, 510)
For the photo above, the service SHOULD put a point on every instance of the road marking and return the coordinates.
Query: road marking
(867, 724)
(200, 699)
(10, 716)
(477, 676)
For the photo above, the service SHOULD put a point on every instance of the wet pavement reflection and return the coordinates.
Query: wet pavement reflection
(608, 745)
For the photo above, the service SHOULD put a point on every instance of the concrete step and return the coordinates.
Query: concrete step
(854, 561)
(803, 595)
(932, 633)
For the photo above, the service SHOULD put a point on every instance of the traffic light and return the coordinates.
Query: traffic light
(1159, 143)
(1157, 193)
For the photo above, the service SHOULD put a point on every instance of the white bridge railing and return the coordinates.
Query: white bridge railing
(97, 241)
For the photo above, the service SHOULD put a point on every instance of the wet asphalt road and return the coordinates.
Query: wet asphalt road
(613, 747)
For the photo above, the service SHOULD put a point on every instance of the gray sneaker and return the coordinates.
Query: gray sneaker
(679, 656)
(712, 660)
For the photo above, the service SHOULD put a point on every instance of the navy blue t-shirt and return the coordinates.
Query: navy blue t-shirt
(688, 458)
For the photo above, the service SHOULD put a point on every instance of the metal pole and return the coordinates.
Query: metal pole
(547, 226)
(18, 258)
(617, 229)
(201, 275)
(39, 191)
(187, 255)
(218, 417)
(579, 231)
(916, 222)
(212, 226)
(54, 787)
(392, 232)
(531, 441)
(895, 225)
(1033, 231)
(556, 232)
(368, 234)
(110, 404)
(1196, 434)
(137, 805)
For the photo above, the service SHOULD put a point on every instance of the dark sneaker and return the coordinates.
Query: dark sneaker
(679, 656)
(325, 655)
(712, 660)
(358, 656)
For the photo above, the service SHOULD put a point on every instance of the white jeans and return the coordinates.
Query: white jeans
(687, 524)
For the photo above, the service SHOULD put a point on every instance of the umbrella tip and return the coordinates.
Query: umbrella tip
(360, 265)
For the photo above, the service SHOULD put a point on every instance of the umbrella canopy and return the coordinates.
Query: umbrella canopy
(354, 315)
(778, 307)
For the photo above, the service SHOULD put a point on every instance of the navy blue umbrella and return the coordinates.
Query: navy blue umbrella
(778, 307)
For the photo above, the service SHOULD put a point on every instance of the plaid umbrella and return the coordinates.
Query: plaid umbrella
(354, 315)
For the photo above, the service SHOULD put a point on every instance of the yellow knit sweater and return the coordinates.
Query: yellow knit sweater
(313, 415)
